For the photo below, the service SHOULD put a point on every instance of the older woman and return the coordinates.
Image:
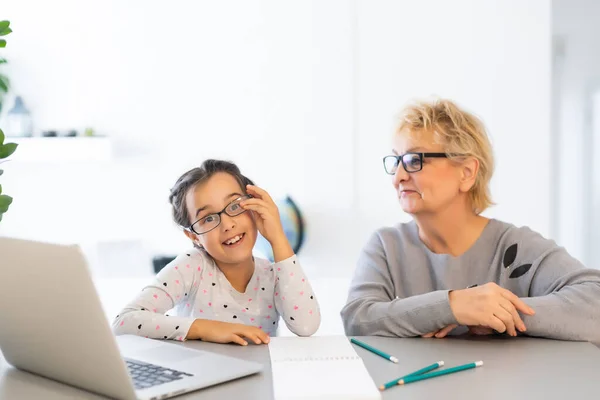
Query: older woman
(451, 266)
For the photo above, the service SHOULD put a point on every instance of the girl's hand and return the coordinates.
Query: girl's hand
(225, 332)
(267, 218)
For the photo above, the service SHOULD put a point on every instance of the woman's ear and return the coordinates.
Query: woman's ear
(469, 170)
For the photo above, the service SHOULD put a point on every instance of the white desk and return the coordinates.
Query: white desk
(515, 368)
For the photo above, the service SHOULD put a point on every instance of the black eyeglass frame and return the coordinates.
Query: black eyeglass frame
(400, 158)
(218, 214)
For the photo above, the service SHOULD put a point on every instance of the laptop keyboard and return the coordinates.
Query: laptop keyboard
(146, 375)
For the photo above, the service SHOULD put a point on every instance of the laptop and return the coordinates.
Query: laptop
(52, 324)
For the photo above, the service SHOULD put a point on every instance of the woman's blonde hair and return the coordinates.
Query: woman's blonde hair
(459, 132)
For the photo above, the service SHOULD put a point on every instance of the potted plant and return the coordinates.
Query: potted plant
(4, 83)
(6, 149)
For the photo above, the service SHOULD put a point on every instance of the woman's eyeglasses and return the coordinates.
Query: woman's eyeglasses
(412, 162)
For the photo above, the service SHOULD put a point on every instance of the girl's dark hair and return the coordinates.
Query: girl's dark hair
(196, 176)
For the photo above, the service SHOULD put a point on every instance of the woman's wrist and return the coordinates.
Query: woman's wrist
(453, 300)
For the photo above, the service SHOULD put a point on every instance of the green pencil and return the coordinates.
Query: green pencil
(452, 370)
(374, 350)
(419, 372)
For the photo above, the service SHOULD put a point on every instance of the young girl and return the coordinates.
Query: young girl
(220, 292)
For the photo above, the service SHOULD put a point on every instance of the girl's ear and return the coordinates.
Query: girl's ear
(194, 238)
(191, 235)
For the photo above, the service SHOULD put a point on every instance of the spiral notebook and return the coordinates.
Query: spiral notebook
(325, 367)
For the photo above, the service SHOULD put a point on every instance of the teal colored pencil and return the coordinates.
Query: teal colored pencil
(419, 372)
(374, 350)
(452, 370)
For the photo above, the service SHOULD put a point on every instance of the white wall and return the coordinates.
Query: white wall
(490, 56)
(302, 95)
(594, 232)
(266, 84)
(577, 70)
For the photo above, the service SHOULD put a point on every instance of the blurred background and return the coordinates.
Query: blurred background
(303, 97)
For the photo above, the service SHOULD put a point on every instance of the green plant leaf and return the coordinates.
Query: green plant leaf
(3, 61)
(0, 189)
(1, 217)
(1, 172)
(5, 32)
(1, 136)
(7, 149)
(4, 84)
(5, 201)
(2, 43)
(4, 25)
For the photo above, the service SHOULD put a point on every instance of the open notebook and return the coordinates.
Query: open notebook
(325, 367)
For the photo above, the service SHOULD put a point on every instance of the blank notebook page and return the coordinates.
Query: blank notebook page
(324, 367)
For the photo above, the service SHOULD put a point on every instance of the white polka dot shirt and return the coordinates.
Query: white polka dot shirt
(193, 287)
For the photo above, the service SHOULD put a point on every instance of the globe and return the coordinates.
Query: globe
(293, 227)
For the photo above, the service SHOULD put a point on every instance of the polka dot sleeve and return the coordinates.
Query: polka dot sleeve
(295, 299)
(174, 285)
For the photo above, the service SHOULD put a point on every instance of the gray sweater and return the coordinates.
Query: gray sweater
(400, 287)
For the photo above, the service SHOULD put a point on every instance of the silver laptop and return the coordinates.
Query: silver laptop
(52, 324)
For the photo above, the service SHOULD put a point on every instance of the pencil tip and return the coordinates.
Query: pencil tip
(394, 359)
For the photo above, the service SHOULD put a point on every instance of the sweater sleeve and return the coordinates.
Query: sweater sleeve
(295, 299)
(373, 309)
(566, 298)
(145, 314)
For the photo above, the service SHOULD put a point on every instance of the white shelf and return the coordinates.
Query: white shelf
(61, 149)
